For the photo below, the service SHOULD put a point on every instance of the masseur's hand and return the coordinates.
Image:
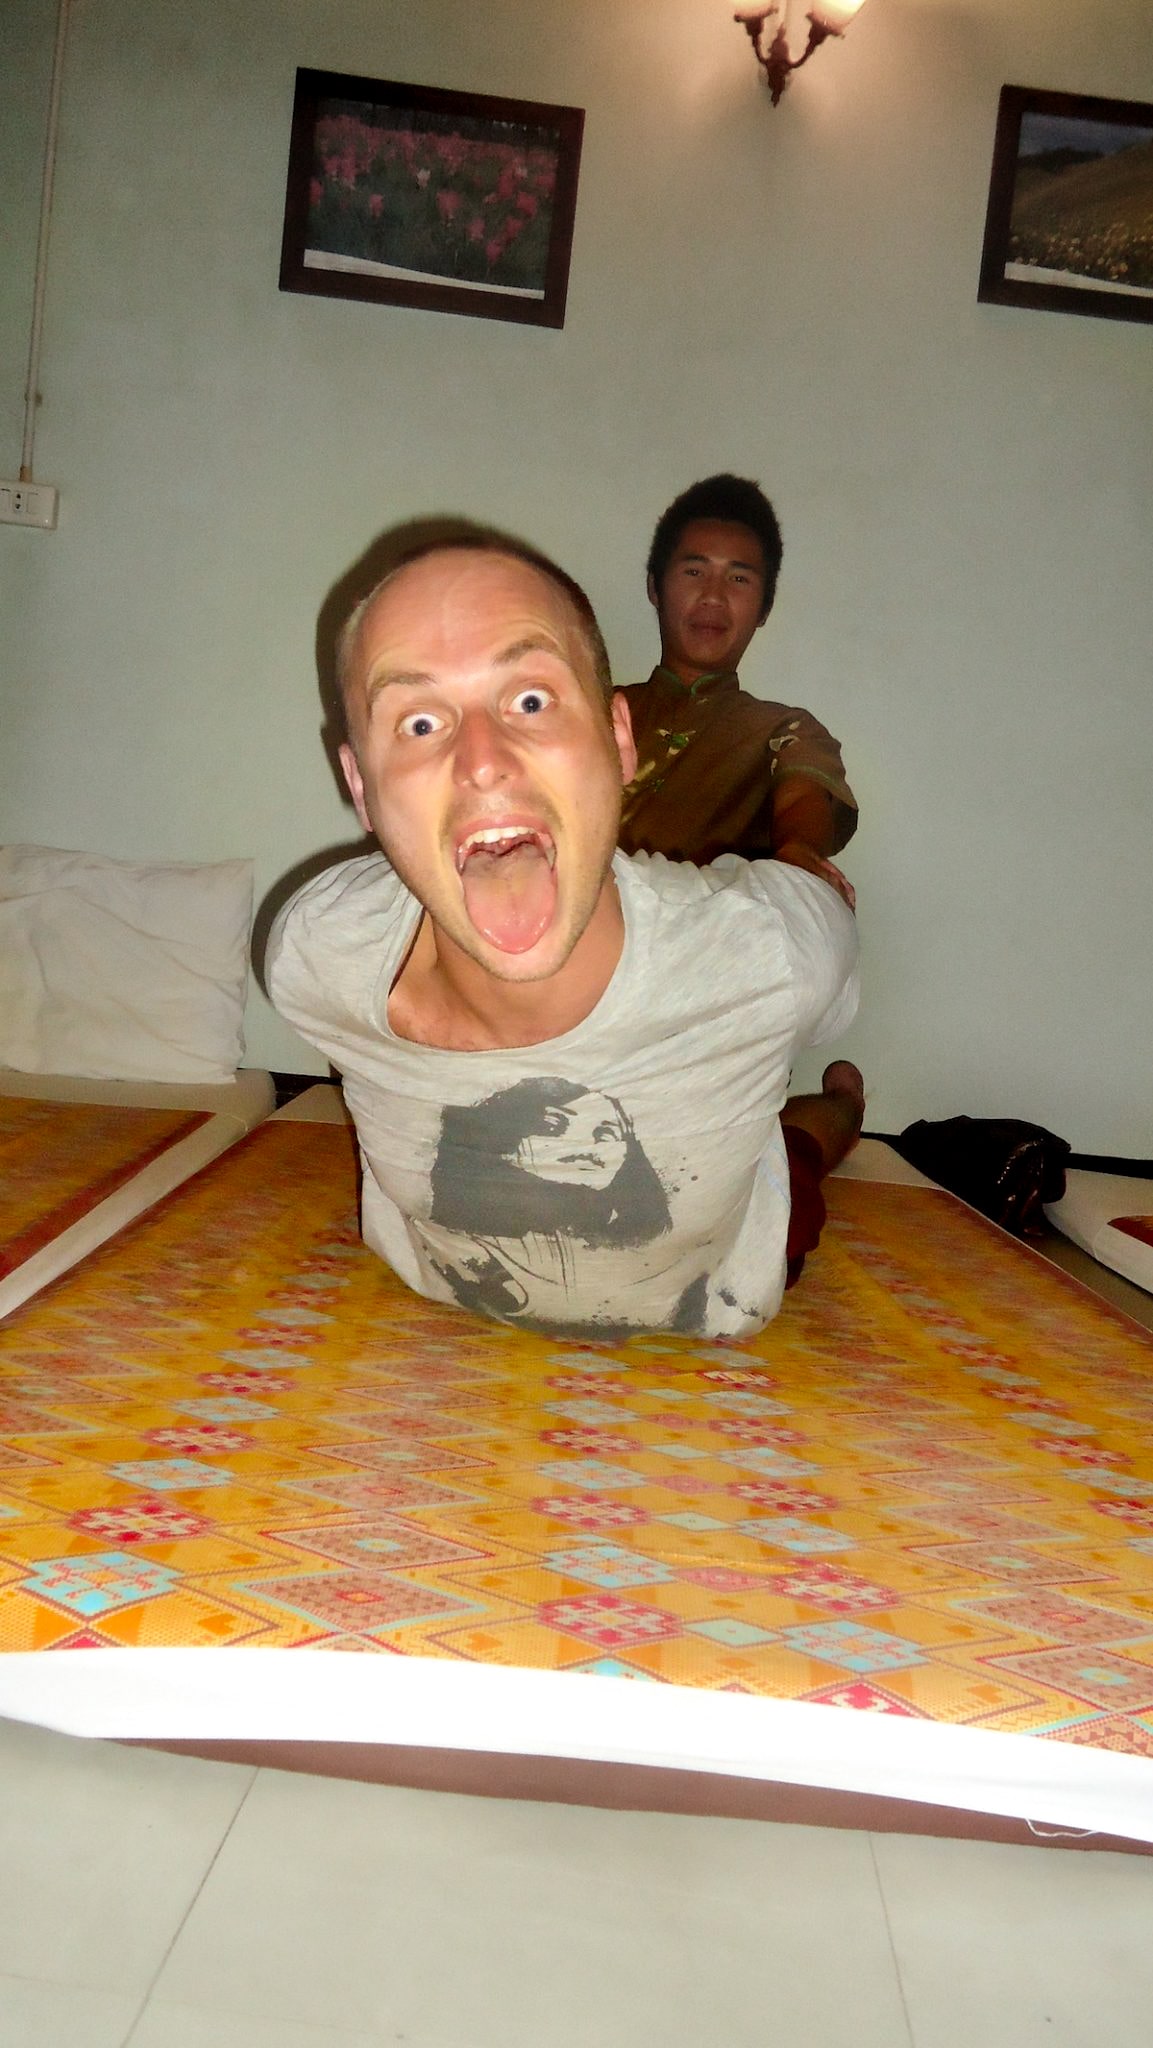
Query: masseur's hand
(799, 855)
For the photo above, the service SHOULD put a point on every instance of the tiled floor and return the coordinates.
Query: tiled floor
(152, 1901)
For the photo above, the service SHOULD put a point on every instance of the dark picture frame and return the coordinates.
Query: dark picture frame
(407, 195)
(1070, 202)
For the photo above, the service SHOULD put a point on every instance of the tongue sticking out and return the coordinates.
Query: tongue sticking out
(510, 893)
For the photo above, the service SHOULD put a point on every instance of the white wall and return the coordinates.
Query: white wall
(966, 491)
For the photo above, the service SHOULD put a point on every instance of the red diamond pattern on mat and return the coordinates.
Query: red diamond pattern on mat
(1009, 1563)
(983, 1524)
(605, 1443)
(355, 1600)
(608, 1621)
(742, 1376)
(782, 1495)
(1066, 1621)
(747, 1430)
(86, 1639)
(385, 1544)
(1096, 1676)
(948, 1492)
(432, 1458)
(832, 1590)
(1137, 1513)
(723, 1578)
(1088, 1454)
(365, 1493)
(1114, 1731)
(585, 1383)
(868, 1699)
(198, 1442)
(146, 1521)
(578, 1512)
(17, 1419)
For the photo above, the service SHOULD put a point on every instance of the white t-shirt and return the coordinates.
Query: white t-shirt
(628, 1175)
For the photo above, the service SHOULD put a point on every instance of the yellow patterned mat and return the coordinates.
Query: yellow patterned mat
(926, 1490)
(58, 1159)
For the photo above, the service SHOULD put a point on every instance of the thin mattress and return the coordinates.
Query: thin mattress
(81, 1158)
(899, 1544)
(1110, 1216)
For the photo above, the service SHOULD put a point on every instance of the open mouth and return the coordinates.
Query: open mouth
(508, 875)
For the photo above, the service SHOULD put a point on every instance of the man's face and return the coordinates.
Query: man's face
(711, 598)
(484, 758)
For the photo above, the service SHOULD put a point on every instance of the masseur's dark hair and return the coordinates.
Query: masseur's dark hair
(739, 502)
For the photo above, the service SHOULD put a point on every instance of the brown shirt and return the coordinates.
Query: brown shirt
(708, 759)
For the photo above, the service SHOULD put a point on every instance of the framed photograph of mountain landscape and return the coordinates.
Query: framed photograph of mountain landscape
(413, 196)
(1069, 227)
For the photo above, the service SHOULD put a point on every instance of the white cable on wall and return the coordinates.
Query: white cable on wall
(31, 393)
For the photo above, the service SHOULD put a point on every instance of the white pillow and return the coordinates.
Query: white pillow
(122, 970)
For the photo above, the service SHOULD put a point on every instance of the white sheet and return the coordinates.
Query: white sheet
(329, 1696)
(1085, 1215)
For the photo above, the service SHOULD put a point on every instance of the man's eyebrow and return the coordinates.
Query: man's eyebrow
(390, 678)
(533, 643)
(730, 562)
(420, 679)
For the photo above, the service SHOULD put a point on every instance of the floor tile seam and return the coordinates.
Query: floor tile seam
(178, 1930)
(333, 2031)
(889, 1936)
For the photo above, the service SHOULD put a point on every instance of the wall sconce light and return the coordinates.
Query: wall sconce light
(825, 18)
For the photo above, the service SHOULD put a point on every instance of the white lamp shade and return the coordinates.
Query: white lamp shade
(835, 15)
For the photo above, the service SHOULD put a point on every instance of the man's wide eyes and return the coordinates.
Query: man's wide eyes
(419, 725)
(531, 701)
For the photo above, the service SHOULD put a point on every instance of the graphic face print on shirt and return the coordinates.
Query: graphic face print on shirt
(584, 1142)
(538, 1193)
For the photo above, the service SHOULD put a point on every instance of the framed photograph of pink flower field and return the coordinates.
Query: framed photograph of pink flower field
(411, 196)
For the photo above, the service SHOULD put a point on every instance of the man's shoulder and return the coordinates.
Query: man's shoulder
(766, 885)
(754, 928)
(760, 714)
(345, 911)
(351, 889)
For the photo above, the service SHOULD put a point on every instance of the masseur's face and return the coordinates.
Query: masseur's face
(485, 760)
(711, 598)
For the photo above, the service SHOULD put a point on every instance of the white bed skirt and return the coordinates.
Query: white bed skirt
(327, 1696)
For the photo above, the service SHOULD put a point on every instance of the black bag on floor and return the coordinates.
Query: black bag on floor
(1002, 1167)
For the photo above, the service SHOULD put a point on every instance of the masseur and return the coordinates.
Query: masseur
(719, 770)
(567, 1068)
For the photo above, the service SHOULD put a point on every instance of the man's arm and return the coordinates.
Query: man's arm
(803, 830)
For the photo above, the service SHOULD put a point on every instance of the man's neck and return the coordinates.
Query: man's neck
(444, 999)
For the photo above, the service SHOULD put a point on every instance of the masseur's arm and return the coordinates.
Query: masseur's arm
(804, 829)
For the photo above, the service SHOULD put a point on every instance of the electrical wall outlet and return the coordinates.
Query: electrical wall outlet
(28, 505)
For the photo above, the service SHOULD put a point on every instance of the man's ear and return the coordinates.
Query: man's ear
(623, 735)
(654, 594)
(355, 781)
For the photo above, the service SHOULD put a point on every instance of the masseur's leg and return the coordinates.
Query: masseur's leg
(818, 1130)
(834, 1117)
